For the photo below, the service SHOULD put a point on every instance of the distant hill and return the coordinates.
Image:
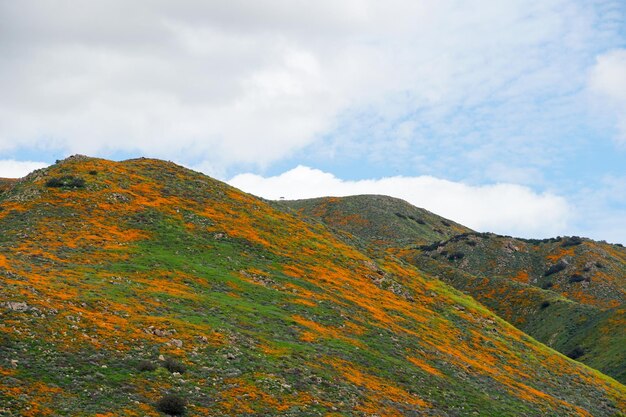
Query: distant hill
(140, 288)
(380, 219)
(567, 292)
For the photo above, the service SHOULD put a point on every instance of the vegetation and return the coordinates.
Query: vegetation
(174, 365)
(66, 181)
(172, 404)
(270, 313)
(519, 279)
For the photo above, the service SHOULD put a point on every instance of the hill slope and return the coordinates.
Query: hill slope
(126, 281)
(379, 219)
(567, 292)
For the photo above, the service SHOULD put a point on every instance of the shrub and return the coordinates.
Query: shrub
(571, 241)
(576, 353)
(545, 305)
(402, 216)
(173, 365)
(576, 278)
(67, 181)
(445, 223)
(417, 220)
(93, 172)
(456, 255)
(146, 366)
(559, 266)
(172, 405)
(547, 285)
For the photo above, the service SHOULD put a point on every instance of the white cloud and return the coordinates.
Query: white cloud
(227, 82)
(10, 168)
(500, 208)
(607, 80)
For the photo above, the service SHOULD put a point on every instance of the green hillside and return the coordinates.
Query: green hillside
(141, 288)
(569, 293)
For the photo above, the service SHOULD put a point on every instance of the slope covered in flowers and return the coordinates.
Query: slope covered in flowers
(569, 292)
(126, 281)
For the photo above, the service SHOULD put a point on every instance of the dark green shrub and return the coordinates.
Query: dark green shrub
(146, 366)
(576, 278)
(445, 223)
(417, 220)
(456, 255)
(172, 404)
(576, 353)
(558, 267)
(93, 172)
(173, 365)
(545, 305)
(547, 285)
(66, 181)
(571, 241)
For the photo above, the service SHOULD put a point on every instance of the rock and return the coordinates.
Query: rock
(177, 342)
(16, 306)
(161, 357)
(159, 332)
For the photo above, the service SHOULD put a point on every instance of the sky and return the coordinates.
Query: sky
(507, 116)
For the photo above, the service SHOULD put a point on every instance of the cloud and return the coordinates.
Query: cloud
(226, 83)
(501, 208)
(10, 168)
(607, 80)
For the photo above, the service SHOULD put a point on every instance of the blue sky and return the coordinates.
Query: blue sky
(507, 116)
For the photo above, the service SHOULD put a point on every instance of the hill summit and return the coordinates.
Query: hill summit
(141, 288)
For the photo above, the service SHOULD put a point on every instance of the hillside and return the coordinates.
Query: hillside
(569, 293)
(126, 281)
(379, 219)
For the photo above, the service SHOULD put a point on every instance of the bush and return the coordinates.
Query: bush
(445, 223)
(173, 365)
(417, 220)
(576, 278)
(67, 181)
(547, 285)
(93, 172)
(456, 255)
(571, 241)
(558, 267)
(576, 353)
(545, 305)
(146, 366)
(172, 405)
